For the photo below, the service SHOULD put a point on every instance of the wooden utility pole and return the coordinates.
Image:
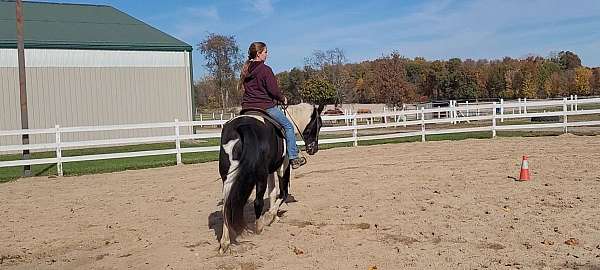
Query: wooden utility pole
(22, 88)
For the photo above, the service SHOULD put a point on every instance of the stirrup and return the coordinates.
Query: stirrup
(297, 162)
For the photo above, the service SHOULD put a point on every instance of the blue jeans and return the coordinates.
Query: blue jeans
(290, 137)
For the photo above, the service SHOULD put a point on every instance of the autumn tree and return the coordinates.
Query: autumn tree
(223, 61)
(495, 83)
(583, 77)
(529, 84)
(545, 71)
(291, 83)
(328, 65)
(388, 81)
(318, 91)
(396, 79)
(595, 81)
(567, 60)
(436, 80)
(206, 93)
(357, 84)
(458, 84)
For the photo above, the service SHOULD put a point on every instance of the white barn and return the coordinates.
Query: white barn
(90, 65)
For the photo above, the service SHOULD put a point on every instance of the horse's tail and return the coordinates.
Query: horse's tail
(243, 180)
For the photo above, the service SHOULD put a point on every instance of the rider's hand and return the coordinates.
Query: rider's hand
(284, 100)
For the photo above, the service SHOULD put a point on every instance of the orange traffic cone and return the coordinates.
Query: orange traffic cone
(524, 176)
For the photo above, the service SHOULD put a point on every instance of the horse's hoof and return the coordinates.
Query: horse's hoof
(260, 225)
(223, 248)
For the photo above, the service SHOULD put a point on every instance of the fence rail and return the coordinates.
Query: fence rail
(422, 117)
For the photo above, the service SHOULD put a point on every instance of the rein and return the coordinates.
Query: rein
(284, 107)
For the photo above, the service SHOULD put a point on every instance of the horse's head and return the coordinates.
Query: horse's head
(307, 117)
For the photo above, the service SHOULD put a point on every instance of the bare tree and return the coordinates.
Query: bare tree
(223, 61)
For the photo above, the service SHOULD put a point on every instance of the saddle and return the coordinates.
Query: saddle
(262, 113)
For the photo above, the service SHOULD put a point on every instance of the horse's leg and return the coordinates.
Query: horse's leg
(261, 186)
(284, 174)
(275, 202)
(225, 238)
(225, 241)
(228, 171)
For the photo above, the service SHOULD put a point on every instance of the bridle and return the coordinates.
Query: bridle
(286, 113)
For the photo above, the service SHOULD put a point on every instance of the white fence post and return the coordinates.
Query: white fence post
(422, 124)
(467, 108)
(345, 117)
(565, 115)
(402, 115)
(502, 110)
(576, 103)
(59, 166)
(572, 103)
(349, 117)
(453, 112)
(456, 112)
(403, 118)
(494, 121)
(449, 111)
(355, 131)
(177, 142)
(519, 105)
(525, 105)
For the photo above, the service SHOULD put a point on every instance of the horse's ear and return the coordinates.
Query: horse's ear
(320, 108)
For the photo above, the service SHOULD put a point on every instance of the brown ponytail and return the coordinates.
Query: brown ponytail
(254, 49)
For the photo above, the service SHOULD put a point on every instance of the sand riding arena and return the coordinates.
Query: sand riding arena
(433, 205)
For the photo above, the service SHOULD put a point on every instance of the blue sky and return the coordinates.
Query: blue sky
(442, 29)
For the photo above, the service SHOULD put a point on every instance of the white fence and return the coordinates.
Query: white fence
(494, 112)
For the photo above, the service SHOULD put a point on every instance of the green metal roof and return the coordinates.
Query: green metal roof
(75, 26)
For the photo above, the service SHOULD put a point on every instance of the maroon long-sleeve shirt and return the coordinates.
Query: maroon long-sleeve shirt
(260, 87)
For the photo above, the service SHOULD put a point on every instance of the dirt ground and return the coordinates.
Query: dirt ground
(434, 205)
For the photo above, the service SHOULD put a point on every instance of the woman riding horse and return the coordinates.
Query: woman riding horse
(262, 92)
(253, 148)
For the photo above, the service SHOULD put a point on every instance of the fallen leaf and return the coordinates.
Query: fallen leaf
(298, 251)
(363, 226)
(572, 242)
(495, 246)
(374, 267)
(548, 242)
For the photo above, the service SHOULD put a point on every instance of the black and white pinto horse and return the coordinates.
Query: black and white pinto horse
(252, 150)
